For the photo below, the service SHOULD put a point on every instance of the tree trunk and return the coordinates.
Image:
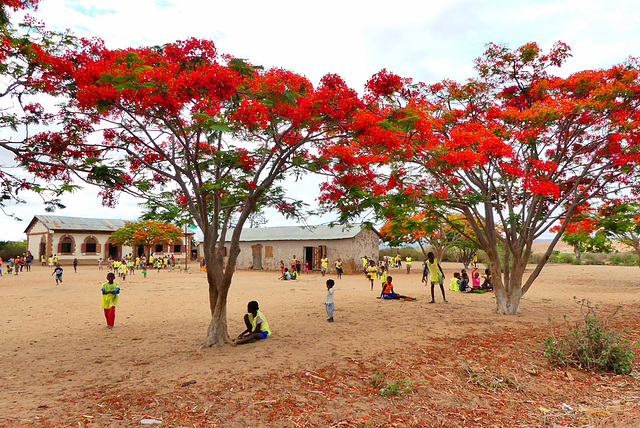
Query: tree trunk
(217, 333)
(508, 301)
(578, 252)
(219, 279)
(507, 286)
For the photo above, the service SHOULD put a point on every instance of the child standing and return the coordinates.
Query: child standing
(58, 273)
(372, 273)
(110, 292)
(433, 272)
(339, 268)
(328, 301)
(75, 265)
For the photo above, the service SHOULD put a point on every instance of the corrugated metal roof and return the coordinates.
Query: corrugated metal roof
(53, 222)
(299, 233)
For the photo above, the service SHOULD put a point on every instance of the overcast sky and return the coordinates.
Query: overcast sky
(425, 40)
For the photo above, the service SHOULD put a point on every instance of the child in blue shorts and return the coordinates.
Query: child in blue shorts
(257, 325)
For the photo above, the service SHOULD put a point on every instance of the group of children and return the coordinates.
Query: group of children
(257, 327)
(288, 276)
(17, 264)
(460, 282)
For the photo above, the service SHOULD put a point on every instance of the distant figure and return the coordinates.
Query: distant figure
(257, 325)
(58, 273)
(408, 259)
(372, 272)
(328, 301)
(339, 268)
(324, 265)
(286, 276)
(75, 265)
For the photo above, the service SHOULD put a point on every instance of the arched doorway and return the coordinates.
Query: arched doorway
(43, 248)
(113, 251)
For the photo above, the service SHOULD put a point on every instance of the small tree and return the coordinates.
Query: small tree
(427, 229)
(147, 234)
(584, 234)
(620, 220)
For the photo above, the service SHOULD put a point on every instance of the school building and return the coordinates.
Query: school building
(87, 239)
(264, 248)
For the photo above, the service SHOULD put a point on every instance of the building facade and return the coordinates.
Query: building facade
(264, 248)
(86, 239)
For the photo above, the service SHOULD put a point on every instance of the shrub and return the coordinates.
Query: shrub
(593, 259)
(387, 389)
(591, 345)
(11, 249)
(623, 259)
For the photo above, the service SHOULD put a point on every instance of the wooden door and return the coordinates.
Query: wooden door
(256, 251)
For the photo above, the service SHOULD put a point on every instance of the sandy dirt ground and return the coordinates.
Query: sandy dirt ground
(61, 366)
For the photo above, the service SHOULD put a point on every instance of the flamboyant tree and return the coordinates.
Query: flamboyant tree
(19, 71)
(146, 233)
(583, 233)
(515, 148)
(182, 124)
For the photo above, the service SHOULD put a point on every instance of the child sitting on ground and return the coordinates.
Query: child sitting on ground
(389, 293)
(475, 280)
(464, 282)
(257, 325)
(454, 284)
(487, 285)
(285, 275)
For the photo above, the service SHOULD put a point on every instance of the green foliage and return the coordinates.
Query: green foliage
(12, 249)
(393, 388)
(623, 259)
(628, 258)
(591, 344)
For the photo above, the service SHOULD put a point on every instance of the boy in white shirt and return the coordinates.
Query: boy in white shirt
(328, 301)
